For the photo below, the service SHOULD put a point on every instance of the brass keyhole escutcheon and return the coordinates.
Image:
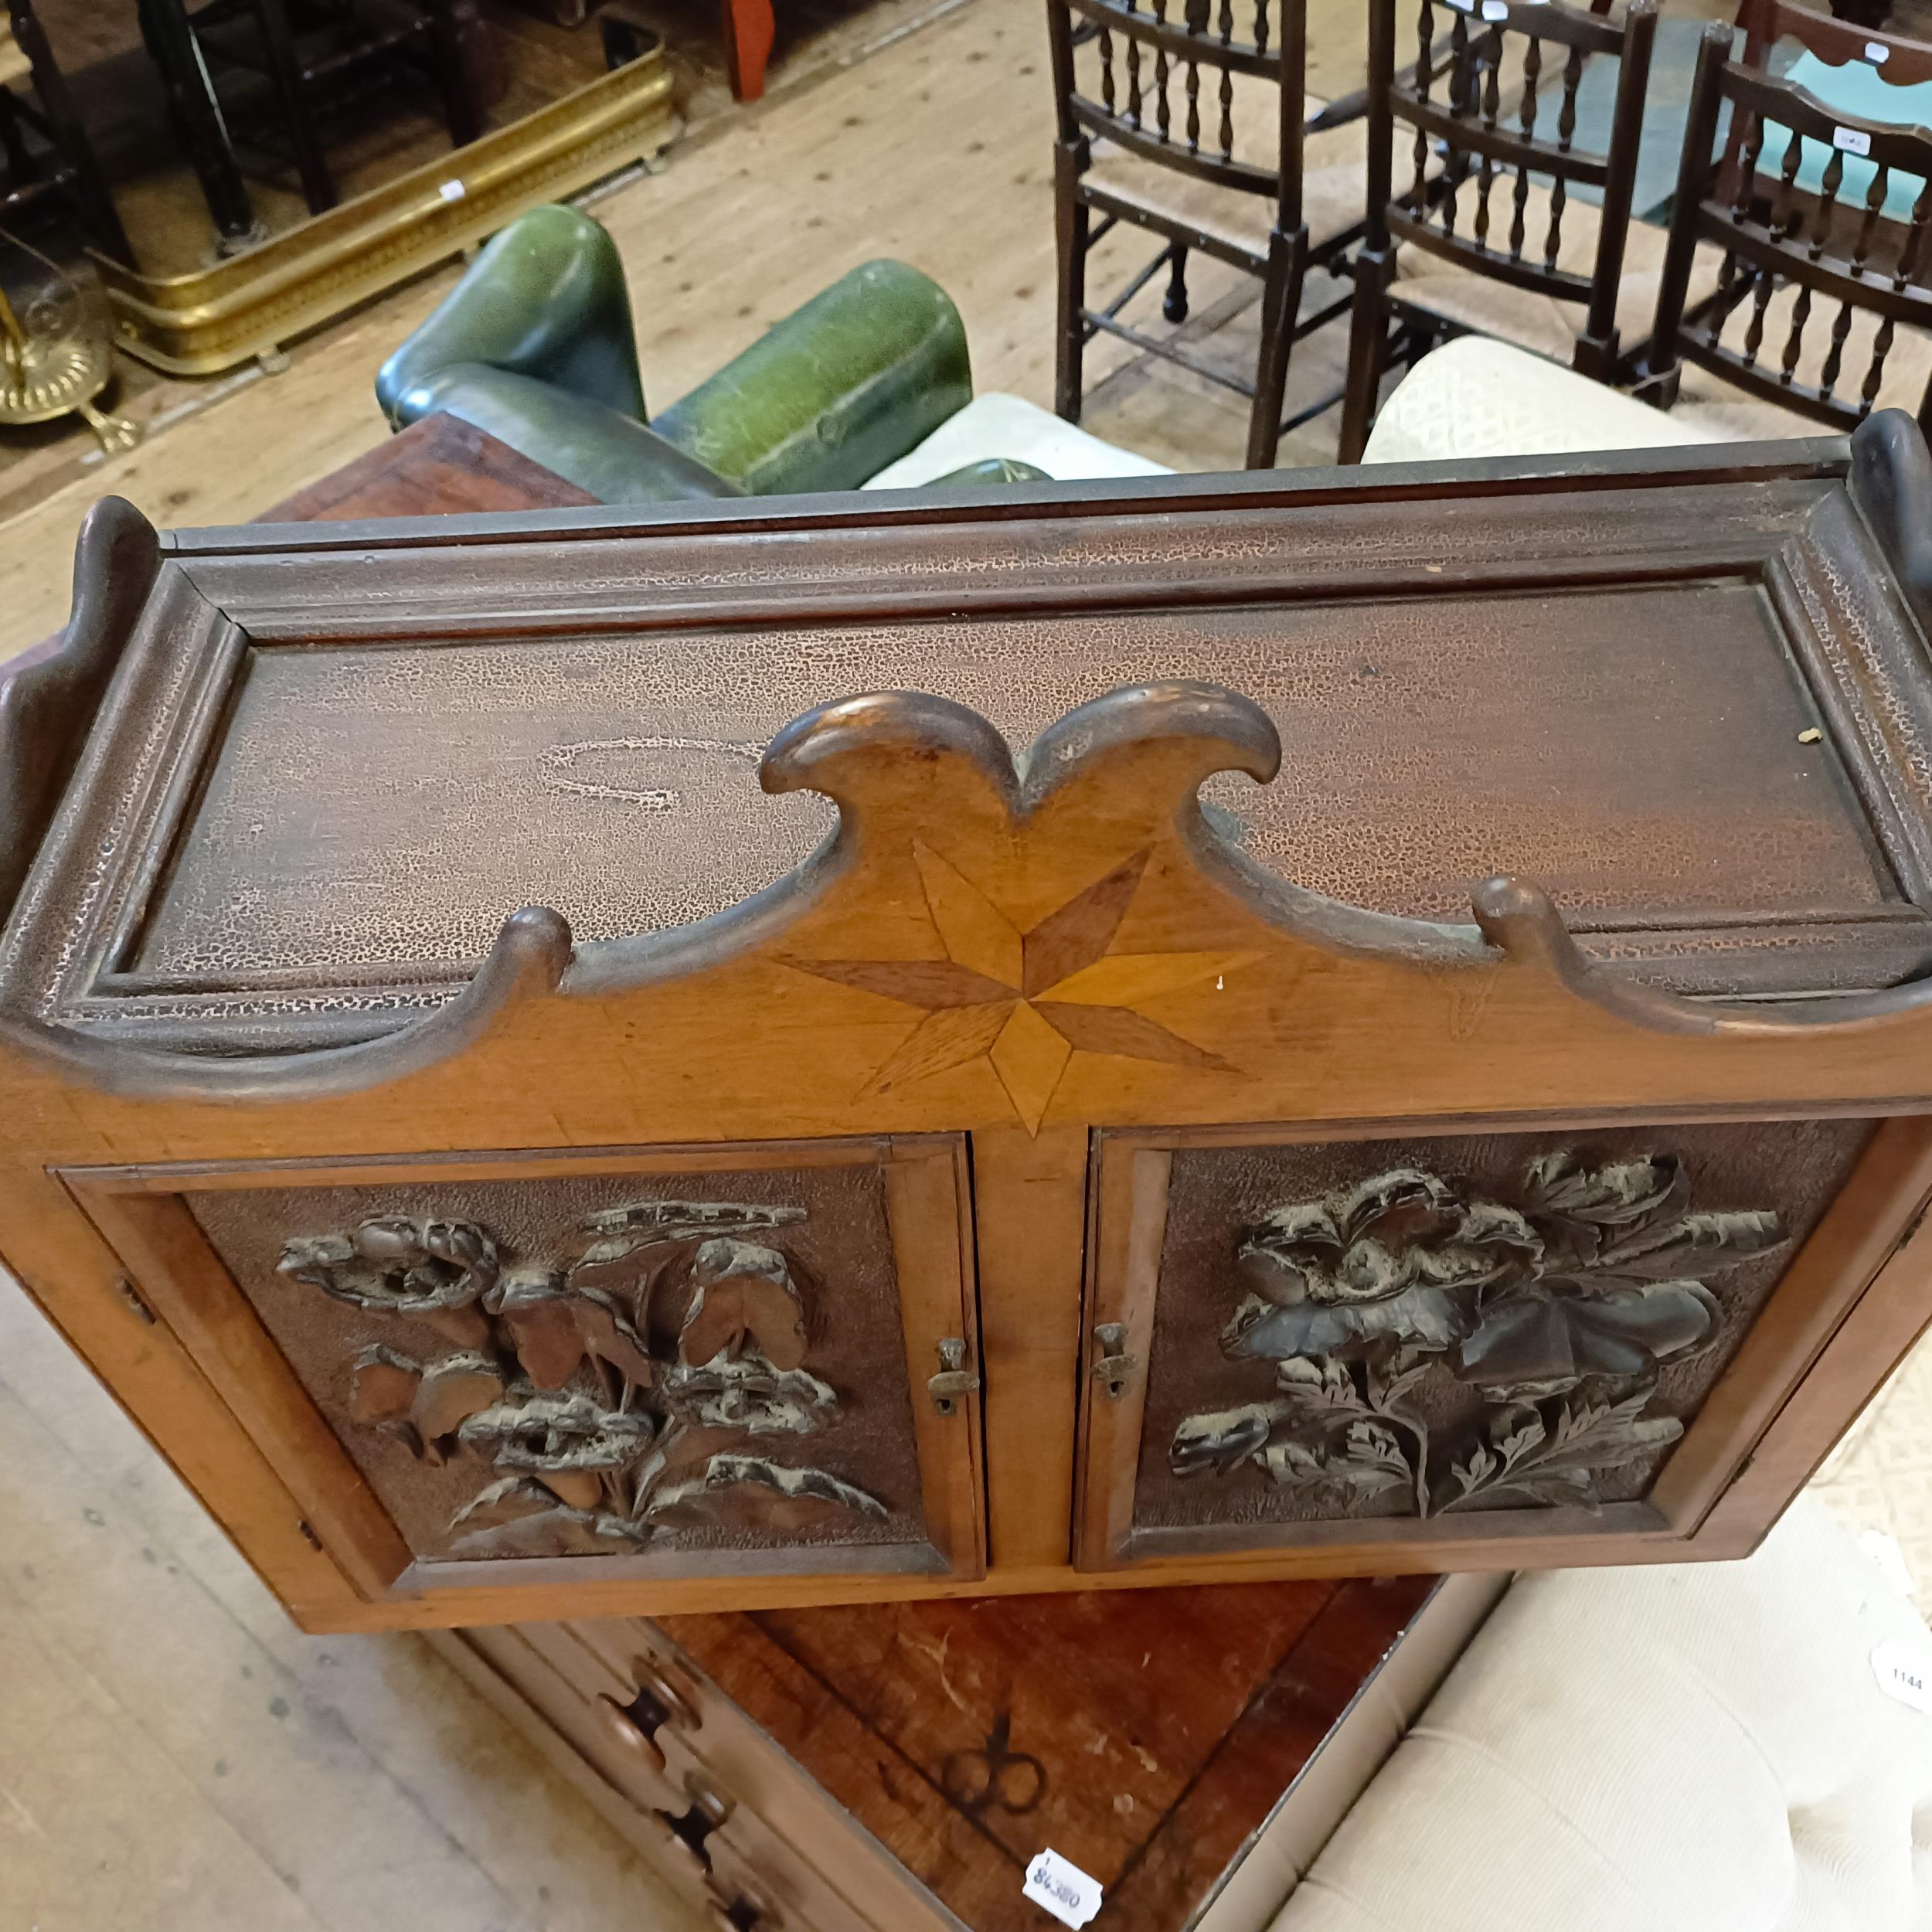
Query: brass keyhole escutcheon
(1114, 1368)
(954, 1378)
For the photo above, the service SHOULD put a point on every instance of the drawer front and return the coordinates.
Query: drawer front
(714, 1797)
(1423, 1341)
(777, 1802)
(652, 1363)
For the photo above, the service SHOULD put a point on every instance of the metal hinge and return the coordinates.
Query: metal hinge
(1114, 1368)
(1913, 1226)
(131, 1296)
(954, 1378)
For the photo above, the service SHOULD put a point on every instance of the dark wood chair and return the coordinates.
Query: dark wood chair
(320, 57)
(1175, 120)
(1789, 256)
(1490, 185)
(44, 149)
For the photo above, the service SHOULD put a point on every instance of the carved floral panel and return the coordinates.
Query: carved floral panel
(606, 1365)
(1427, 1328)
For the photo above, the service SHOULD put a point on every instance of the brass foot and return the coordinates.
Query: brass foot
(113, 433)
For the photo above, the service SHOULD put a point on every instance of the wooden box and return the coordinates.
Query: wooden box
(1364, 1022)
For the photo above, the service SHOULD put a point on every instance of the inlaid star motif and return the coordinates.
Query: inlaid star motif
(1028, 1001)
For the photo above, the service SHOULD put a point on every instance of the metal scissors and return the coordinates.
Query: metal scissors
(994, 1775)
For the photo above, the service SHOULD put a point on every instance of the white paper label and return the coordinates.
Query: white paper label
(1063, 1888)
(1464, 6)
(1885, 1551)
(1853, 141)
(1904, 1670)
(1878, 56)
(1496, 9)
(452, 191)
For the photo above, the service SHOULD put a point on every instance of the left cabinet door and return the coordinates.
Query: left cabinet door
(667, 1364)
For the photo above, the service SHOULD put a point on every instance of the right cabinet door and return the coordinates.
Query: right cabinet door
(1424, 1346)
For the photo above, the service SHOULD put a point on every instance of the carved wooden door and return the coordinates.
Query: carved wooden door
(689, 1361)
(1424, 1336)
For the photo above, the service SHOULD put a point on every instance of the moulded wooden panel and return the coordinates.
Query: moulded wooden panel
(697, 1361)
(1429, 1338)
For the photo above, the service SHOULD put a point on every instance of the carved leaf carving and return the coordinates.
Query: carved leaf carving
(1558, 1339)
(743, 1292)
(383, 1386)
(1693, 1244)
(556, 1332)
(393, 1264)
(798, 1497)
(452, 1392)
(426, 1403)
(583, 1459)
(543, 1433)
(1564, 1307)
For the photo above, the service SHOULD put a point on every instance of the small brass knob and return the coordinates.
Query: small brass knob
(708, 1808)
(633, 1739)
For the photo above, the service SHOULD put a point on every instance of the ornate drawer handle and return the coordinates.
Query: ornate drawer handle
(954, 1378)
(1114, 1368)
(708, 1809)
(657, 1704)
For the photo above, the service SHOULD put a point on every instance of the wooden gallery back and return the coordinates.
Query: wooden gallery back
(608, 1062)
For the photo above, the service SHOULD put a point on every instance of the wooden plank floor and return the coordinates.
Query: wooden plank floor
(174, 1757)
(935, 148)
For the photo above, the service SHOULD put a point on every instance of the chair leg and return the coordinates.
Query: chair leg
(454, 26)
(199, 125)
(1596, 358)
(1174, 307)
(1368, 349)
(89, 187)
(750, 27)
(1073, 221)
(285, 73)
(1280, 305)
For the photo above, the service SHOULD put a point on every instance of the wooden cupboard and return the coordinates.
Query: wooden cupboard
(607, 1061)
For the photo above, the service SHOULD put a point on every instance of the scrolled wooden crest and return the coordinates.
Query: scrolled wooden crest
(984, 939)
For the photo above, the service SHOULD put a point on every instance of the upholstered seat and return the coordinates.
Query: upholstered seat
(1657, 1749)
(1331, 177)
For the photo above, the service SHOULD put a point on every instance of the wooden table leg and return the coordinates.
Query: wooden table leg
(748, 30)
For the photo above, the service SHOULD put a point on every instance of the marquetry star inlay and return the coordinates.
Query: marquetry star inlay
(1028, 1001)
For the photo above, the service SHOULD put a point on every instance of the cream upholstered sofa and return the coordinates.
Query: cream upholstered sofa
(1671, 1748)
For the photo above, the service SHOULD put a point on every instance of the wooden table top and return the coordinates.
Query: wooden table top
(1147, 1735)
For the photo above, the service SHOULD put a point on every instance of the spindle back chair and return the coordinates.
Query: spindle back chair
(1522, 158)
(1786, 252)
(1138, 143)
